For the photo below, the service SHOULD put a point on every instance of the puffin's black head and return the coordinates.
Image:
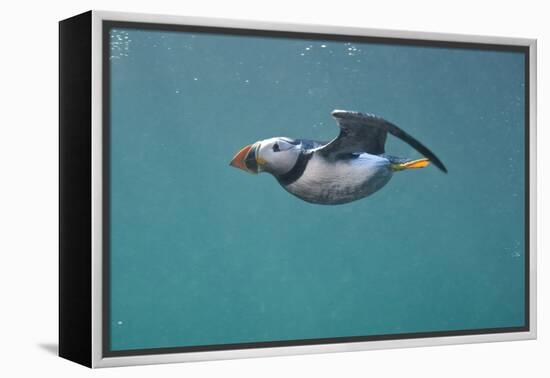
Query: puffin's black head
(275, 155)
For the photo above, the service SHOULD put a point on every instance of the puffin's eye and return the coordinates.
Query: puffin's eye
(276, 147)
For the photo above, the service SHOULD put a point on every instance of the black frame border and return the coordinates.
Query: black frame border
(107, 25)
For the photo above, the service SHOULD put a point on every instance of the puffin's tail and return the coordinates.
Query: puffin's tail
(413, 164)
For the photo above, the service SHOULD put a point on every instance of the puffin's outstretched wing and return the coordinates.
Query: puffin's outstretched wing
(360, 132)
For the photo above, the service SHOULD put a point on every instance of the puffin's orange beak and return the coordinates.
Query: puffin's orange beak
(248, 160)
(239, 159)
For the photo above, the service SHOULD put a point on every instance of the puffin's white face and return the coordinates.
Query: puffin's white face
(275, 155)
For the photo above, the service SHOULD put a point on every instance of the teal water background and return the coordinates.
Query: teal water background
(202, 253)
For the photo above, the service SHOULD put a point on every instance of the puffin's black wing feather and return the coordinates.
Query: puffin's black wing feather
(360, 132)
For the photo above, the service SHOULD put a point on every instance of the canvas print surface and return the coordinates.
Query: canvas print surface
(387, 194)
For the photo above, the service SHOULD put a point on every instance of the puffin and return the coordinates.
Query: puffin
(350, 167)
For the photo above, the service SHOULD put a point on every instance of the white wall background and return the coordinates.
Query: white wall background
(28, 186)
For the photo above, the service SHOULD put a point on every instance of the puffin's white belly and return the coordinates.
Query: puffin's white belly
(331, 183)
